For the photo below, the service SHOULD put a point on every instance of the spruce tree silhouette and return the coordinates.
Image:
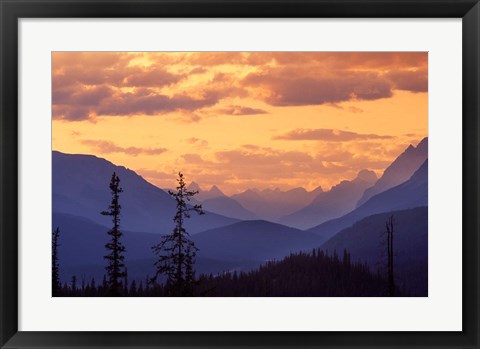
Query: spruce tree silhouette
(74, 284)
(389, 225)
(176, 252)
(115, 258)
(56, 286)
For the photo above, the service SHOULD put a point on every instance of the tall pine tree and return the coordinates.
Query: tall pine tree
(56, 286)
(389, 224)
(176, 251)
(115, 259)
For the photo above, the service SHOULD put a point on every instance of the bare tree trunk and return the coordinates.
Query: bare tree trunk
(390, 272)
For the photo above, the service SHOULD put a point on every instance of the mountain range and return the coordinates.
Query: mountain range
(271, 204)
(82, 247)
(366, 240)
(247, 229)
(410, 194)
(214, 200)
(399, 170)
(339, 200)
(80, 187)
(253, 240)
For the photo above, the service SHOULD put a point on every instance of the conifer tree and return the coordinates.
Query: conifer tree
(390, 271)
(133, 289)
(104, 283)
(83, 284)
(125, 283)
(74, 284)
(176, 251)
(115, 258)
(93, 286)
(56, 286)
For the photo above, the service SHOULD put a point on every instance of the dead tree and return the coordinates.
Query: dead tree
(390, 271)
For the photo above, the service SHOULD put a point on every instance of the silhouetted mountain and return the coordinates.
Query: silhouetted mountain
(80, 187)
(228, 207)
(399, 171)
(214, 192)
(203, 195)
(194, 186)
(366, 242)
(271, 204)
(410, 194)
(82, 247)
(83, 241)
(215, 201)
(251, 200)
(253, 240)
(331, 204)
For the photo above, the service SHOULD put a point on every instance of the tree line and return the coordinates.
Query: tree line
(175, 253)
(300, 274)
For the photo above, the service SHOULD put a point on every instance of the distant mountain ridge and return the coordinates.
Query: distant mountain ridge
(365, 241)
(214, 200)
(399, 170)
(203, 195)
(80, 187)
(410, 194)
(228, 207)
(82, 247)
(339, 200)
(271, 204)
(253, 240)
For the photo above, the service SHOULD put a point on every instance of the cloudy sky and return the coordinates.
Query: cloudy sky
(241, 120)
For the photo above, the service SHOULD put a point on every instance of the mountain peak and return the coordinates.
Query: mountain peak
(423, 145)
(400, 170)
(318, 189)
(297, 190)
(367, 176)
(215, 190)
(194, 187)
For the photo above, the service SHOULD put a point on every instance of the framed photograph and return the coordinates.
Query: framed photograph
(239, 174)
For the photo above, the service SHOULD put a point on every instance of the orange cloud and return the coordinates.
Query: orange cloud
(197, 141)
(152, 77)
(106, 147)
(327, 135)
(239, 110)
(87, 85)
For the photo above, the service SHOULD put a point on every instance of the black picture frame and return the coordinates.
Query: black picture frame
(12, 11)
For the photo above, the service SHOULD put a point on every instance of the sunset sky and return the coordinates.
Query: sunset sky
(241, 120)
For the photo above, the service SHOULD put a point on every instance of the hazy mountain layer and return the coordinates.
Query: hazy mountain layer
(366, 242)
(271, 204)
(80, 187)
(412, 193)
(228, 207)
(332, 204)
(253, 240)
(215, 201)
(399, 171)
(82, 247)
